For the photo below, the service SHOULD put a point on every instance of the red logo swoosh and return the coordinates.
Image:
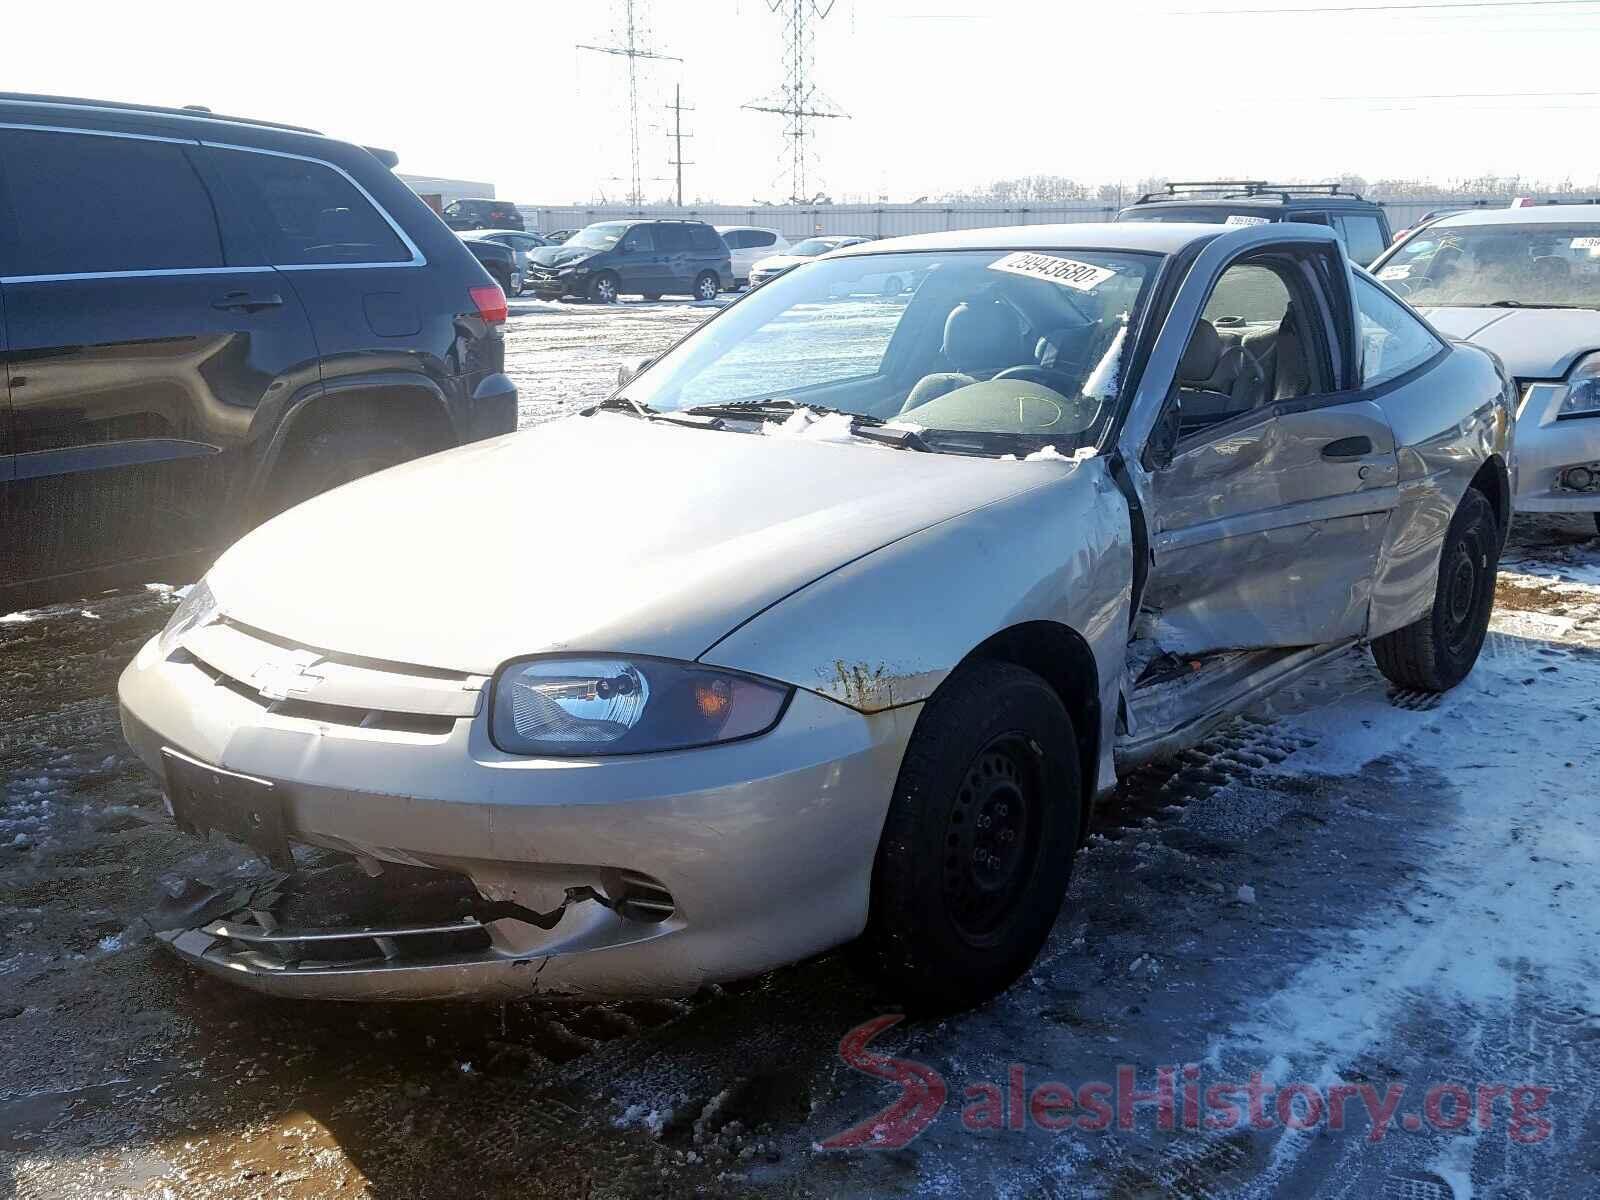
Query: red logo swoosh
(922, 1092)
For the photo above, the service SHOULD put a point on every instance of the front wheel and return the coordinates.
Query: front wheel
(1435, 653)
(978, 843)
(706, 286)
(604, 288)
(892, 286)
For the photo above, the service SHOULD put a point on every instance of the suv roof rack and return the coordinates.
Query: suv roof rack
(1246, 189)
(192, 112)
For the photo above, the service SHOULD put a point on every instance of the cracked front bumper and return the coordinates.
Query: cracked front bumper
(764, 847)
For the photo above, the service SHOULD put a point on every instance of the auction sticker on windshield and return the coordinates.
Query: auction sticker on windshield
(1242, 219)
(1068, 272)
(1586, 243)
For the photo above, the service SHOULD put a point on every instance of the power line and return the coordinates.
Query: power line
(1379, 8)
(631, 36)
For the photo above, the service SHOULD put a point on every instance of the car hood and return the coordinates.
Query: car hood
(561, 256)
(779, 262)
(1535, 343)
(590, 533)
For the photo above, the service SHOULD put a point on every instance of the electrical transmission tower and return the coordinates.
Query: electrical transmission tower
(678, 135)
(631, 37)
(798, 100)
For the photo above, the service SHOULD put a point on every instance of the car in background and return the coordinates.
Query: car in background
(482, 214)
(831, 624)
(639, 258)
(1524, 283)
(768, 269)
(1360, 223)
(208, 319)
(503, 263)
(559, 236)
(749, 243)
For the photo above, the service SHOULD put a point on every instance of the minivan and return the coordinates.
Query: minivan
(638, 258)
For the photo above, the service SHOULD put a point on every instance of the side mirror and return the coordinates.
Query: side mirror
(1163, 444)
(628, 369)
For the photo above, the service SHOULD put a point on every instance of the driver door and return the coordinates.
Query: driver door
(1269, 518)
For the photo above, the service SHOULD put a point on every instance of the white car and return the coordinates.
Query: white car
(769, 269)
(832, 623)
(1525, 283)
(747, 244)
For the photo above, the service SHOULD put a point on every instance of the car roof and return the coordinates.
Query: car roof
(752, 228)
(1150, 237)
(33, 100)
(1544, 214)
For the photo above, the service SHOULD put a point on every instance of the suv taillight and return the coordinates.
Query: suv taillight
(491, 303)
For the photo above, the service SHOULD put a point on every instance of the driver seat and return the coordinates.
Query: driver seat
(979, 339)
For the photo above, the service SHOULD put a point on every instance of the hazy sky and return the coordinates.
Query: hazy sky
(942, 94)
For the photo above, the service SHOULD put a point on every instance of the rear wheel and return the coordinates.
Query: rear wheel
(706, 286)
(603, 290)
(893, 286)
(1435, 653)
(333, 457)
(978, 843)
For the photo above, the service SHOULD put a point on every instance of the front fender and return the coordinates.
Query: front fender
(887, 629)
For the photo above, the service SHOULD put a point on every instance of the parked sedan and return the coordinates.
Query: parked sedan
(501, 261)
(767, 269)
(833, 622)
(1525, 283)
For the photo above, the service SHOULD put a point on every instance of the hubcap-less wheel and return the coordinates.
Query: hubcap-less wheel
(992, 840)
(706, 289)
(1463, 589)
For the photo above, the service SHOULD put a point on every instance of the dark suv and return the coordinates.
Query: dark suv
(205, 319)
(640, 258)
(482, 214)
(1360, 223)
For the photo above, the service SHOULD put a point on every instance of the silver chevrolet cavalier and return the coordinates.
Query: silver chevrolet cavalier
(831, 624)
(1525, 283)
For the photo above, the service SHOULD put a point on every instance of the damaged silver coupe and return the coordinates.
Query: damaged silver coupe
(831, 624)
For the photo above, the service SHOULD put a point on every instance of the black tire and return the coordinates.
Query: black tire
(959, 910)
(1435, 653)
(706, 286)
(603, 288)
(892, 286)
(326, 460)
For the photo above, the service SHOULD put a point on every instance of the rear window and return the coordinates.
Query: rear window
(703, 237)
(306, 213)
(84, 203)
(672, 237)
(1363, 236)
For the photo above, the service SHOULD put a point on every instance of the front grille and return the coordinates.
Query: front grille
(326, 714)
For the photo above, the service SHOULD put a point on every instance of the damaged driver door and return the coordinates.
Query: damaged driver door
(1270, 504)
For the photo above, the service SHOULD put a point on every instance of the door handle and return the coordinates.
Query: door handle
(1347, 449)
(246, 302)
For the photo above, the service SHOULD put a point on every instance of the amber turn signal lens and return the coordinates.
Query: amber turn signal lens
(713, 699)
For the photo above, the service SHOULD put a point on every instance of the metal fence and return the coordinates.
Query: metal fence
(880, 220)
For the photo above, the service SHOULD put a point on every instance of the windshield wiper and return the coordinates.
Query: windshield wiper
(1525, 304)
(862, 425)
(619, 404)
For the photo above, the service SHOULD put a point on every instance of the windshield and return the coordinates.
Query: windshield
(1479, 265)
(812, 247)
(599, 237)
(1023, 349)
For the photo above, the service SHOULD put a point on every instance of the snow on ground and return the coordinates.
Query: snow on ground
(1352, 893)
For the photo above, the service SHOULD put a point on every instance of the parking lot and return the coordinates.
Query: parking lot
(1351, 885)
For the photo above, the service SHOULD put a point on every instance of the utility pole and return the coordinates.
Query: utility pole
(798, 99)
(677, 137)
(631, 36)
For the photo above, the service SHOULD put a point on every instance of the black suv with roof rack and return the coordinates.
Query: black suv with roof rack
(205, 319)
(1360, 223)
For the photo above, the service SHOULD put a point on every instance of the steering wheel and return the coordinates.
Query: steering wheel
(1056, 381)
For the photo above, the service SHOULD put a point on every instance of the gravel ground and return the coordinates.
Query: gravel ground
(1350, 886)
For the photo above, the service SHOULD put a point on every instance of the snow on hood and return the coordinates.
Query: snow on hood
(591, 533)
(561, 256)
(1536, 343)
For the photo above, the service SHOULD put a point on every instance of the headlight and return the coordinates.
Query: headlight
(198, 609)
(1583, 389)
(584, 706)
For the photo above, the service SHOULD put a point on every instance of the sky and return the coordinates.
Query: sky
(942, 95)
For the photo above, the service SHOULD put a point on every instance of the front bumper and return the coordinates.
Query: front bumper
(1547, 448)
(763, 849)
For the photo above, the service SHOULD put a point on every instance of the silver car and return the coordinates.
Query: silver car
(1524, 282)
(833, 622)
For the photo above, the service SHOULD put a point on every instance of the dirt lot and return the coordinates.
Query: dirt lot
(1350, 887)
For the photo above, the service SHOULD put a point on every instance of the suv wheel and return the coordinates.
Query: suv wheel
(977, 847)
(333, 457)
(603, 290)
(706, 286)
(1435, 653)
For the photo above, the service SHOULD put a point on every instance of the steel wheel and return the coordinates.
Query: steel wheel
(993, 837)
